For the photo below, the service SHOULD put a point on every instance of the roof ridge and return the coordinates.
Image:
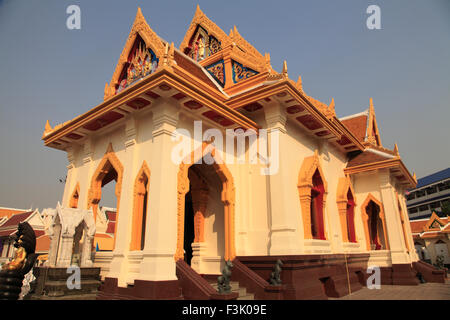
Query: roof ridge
(363, 113)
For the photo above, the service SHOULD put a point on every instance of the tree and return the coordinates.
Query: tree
(446, 207)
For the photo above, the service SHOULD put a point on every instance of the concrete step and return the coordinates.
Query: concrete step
(235, 287)
(249, 296)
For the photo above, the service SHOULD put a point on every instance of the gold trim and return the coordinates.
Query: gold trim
(228, 199)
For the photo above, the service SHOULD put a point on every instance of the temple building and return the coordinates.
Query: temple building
(432, 239)
(216, 157)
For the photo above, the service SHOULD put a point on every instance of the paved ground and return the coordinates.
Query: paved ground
(426, 291)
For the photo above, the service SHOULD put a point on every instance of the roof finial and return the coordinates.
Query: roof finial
(139, 13)
(414, 176)
(331, 106)
(330, 112)
(198, 8)
(231, 33)
(108, 91)
(396, 149)
(235, 30)
(371, 104)
(48, 127)
(285, 71)
(299, 84)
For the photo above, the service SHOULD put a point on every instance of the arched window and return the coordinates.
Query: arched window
(374, 224)
(350, 217)
(346, 206)
(317, 191)
(312, 189)
(141, 187)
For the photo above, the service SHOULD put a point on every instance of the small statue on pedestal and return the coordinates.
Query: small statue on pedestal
(223, 281)
(275, 276)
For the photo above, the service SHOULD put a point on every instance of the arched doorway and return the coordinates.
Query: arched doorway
(110, 169)
(205, 215)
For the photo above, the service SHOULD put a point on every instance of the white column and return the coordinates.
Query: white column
(119, 263)
(282, 227)
(86, 173)
(55, 234)
(393, 224)
(86, 260)
(158, 261)
(65, 255)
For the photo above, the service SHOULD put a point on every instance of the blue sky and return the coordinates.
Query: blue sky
(50, 72)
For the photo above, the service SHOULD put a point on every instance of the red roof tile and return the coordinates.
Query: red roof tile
(365, 158)
(111, 215)
(111, 227)
(15, 219)
(357, 125)
(193, 69)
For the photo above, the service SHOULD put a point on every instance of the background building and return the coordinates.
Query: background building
(432, 239)
(432, 193)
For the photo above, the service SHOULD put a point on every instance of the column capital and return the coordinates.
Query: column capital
(130, 130)
(276, 116)
(384, 178)
(165, 118)
(88, 150)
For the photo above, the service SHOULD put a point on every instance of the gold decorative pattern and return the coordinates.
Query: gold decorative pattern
(151, 40)
(201, 19)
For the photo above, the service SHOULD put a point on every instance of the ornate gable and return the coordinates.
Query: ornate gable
(203, 37)
(435, 223)
(140, 56)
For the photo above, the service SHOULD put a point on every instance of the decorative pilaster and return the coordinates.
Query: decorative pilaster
(130, 132)
(283, 229)
(88, 150)
(393, 223)
(119, 263)
(161, 223)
